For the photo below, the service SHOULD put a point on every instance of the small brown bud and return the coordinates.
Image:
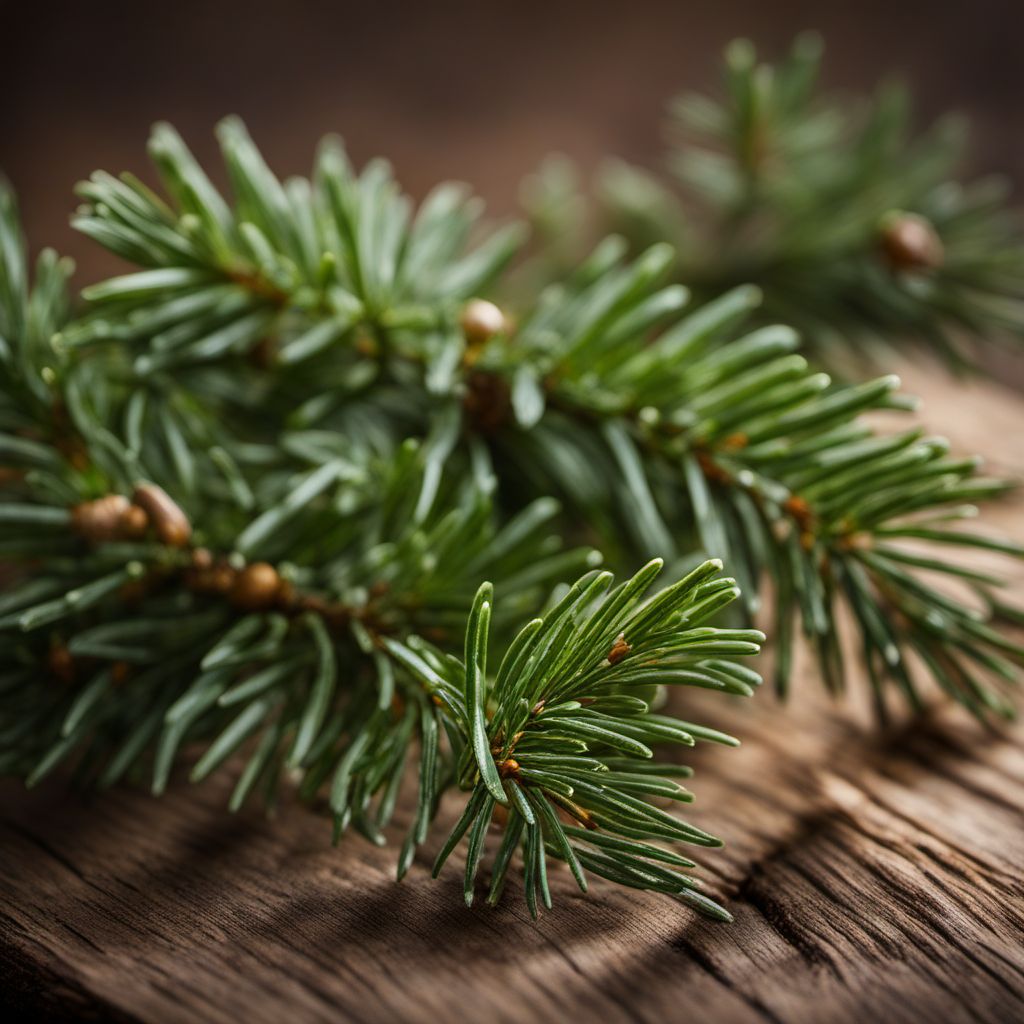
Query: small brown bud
(202, 559)
(619, 649)
(480, 321)
(99, 520)
(509, 768)
(134, 523)
(256, 587)
(800, 510)
(735, 442)
(366, 345)
(119, 672)
(171, 524)
(909, 242)
(712, 470)
(221, 578)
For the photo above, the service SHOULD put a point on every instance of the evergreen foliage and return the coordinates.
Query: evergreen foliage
(862, 233)
(253, 490)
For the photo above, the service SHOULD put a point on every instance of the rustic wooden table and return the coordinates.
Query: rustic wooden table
(870, 875)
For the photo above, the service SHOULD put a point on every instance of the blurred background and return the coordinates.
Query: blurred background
(479, 92)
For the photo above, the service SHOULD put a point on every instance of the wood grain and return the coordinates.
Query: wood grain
(870, 876)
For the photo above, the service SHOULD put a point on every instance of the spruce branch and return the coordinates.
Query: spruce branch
(226, 655)
(297, 264)
(567, 751)
(229, 551)
(717, 429)
(661, 430)
(128, 641)
(32, 310)
(862, 233)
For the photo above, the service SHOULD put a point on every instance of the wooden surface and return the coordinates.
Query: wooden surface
(871, 876)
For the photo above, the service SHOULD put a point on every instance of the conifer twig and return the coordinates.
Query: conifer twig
(251, 492)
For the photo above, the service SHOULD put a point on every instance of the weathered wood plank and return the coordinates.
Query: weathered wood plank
(870, 875)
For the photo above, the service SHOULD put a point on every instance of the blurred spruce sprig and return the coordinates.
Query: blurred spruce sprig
(861, 231)
(251, 490)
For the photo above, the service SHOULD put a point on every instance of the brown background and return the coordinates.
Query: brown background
(872, 877)
(475, 91)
